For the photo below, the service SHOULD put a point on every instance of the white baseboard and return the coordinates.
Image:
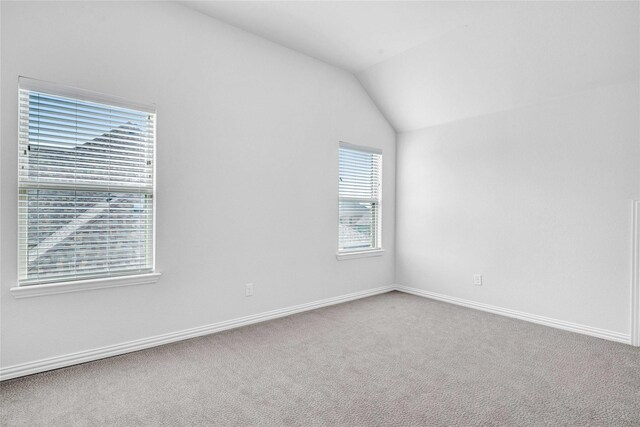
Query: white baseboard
(141, 344)
(127, 347)
(541, 320)
(635, 275)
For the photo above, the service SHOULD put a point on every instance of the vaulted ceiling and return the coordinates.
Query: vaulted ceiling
(425, 63)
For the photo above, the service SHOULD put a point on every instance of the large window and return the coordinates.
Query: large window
(86, 185)
(359, 199)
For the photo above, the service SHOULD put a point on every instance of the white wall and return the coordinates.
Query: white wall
(536, 199)
(518, 54)
(247, 170)
(519, 158)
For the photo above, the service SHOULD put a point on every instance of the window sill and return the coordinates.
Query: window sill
(360, 254)
(83, 285)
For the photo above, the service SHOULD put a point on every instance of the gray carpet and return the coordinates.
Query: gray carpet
(388, 360)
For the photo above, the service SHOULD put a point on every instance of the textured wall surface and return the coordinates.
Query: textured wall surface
(537, 199)
(247, 166)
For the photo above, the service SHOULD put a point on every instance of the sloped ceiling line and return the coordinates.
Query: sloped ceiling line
(426, 63)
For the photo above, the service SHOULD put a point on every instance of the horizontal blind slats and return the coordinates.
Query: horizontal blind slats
(44, 102)
(86, 186)
(359, 199)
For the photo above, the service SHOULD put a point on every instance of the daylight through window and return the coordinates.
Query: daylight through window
(86, 186)
(359, 198)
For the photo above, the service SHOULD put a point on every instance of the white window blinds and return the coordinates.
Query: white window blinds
(86, 184)
(359, 198)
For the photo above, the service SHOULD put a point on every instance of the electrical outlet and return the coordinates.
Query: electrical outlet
(248, 290)
(477, 279)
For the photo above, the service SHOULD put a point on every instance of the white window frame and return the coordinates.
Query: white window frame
(377, 250)
(31, 290)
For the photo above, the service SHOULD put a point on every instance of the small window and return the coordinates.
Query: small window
(360, 199)
(86, 185)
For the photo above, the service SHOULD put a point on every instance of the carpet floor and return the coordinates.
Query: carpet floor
(388, 360)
